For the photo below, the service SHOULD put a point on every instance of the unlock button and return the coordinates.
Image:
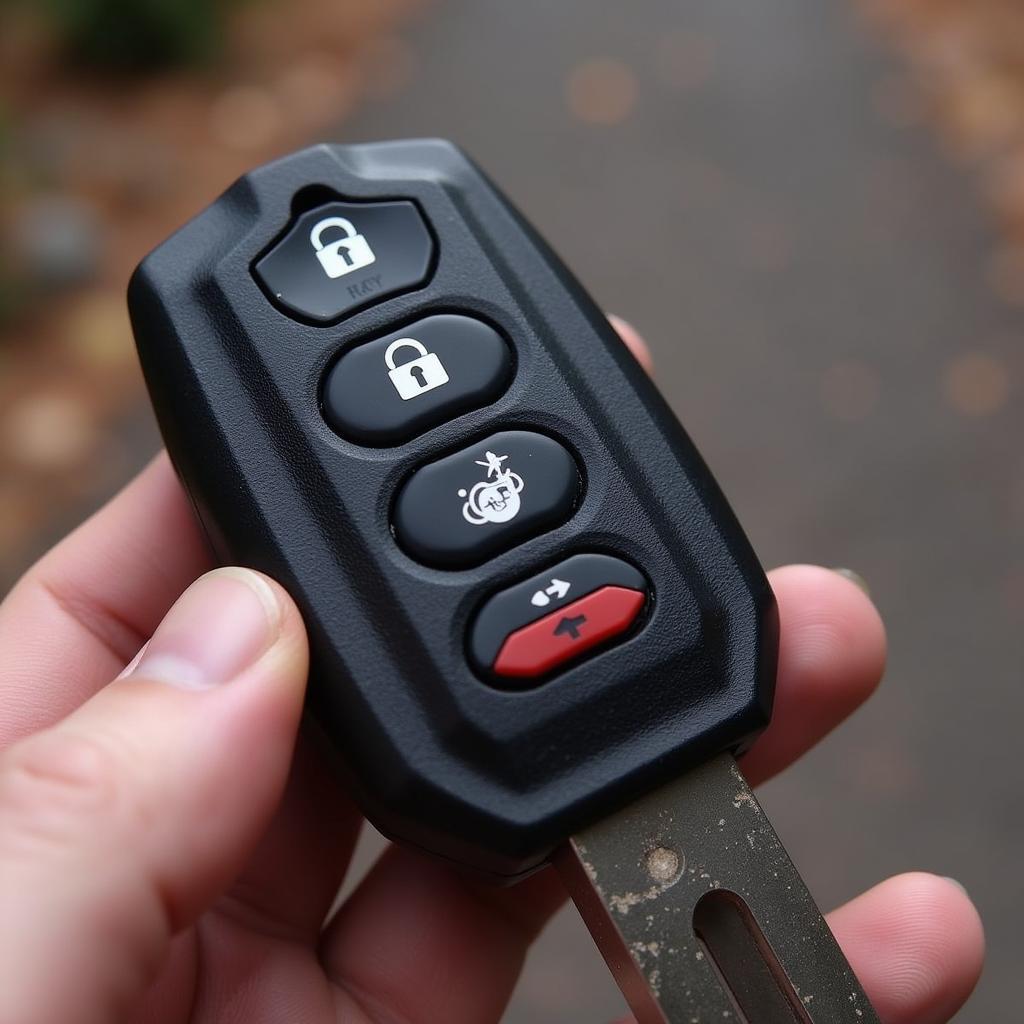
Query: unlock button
(388, 390)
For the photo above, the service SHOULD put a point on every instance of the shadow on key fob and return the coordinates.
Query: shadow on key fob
(538, 632)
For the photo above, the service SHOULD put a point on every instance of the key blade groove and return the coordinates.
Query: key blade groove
(639, 877)
(744, 961)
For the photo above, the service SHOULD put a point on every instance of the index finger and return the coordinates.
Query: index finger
(81, 613)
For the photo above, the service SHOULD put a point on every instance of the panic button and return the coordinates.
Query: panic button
(564, 635)
(555, 616)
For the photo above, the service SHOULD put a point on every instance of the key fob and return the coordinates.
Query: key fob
(528, 601)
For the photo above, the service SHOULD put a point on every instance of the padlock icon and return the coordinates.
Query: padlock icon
(350, 252)
(418, 376)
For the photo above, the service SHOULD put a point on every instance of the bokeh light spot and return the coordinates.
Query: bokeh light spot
(601, 91)
(317, 89)
(977, 384)
(98, 330)
(246, 117)
(48, 431)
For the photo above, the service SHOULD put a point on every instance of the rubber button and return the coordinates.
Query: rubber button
(389, 390)
(464, 509)
(342, 256)
(541, 594)
(564, 635)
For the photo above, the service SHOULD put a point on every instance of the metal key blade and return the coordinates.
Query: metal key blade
(701, 915)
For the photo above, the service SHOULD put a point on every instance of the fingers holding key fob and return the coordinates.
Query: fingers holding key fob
(538, 633)
(914, 928)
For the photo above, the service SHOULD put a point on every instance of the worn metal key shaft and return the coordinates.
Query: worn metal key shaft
(701, 915)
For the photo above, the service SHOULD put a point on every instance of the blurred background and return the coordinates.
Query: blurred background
(813, 209)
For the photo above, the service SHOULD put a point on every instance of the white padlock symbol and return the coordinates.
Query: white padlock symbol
(418, 376)
(350, 252)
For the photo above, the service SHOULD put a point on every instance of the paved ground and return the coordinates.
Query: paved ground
(811, 278)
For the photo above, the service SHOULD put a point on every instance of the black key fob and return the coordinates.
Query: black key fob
(530, 608)
(528, 601)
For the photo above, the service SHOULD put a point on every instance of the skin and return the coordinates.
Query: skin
(171, 843)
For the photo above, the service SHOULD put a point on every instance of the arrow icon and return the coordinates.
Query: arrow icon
(571, 626)
(557, 590)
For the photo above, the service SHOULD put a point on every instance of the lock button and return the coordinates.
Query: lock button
(386, 391)
(340, 257)
(418, 376)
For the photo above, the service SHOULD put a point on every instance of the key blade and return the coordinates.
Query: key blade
(701, 915)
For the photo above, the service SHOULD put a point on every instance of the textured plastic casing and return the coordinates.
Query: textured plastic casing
(438, 759)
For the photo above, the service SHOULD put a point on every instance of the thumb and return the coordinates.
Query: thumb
(118, 826)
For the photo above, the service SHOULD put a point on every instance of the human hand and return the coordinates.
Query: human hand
(169, 852)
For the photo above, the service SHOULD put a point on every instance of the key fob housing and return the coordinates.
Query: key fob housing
(491, 773)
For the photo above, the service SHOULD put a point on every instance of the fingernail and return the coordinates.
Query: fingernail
(854, 577)
(219, 627)
(959, 885)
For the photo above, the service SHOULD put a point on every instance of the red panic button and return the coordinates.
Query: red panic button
(563, 635)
